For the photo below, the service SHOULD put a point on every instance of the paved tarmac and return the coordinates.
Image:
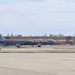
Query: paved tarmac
(37, 63)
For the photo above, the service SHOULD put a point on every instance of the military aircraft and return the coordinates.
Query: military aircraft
(19, 42)
(40, 42)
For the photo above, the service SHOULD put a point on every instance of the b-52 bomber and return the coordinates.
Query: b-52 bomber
(19, 42)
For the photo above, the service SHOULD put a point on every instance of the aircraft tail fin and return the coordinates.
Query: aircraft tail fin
(1, 37)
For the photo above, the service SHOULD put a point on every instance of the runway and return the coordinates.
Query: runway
(37, 63)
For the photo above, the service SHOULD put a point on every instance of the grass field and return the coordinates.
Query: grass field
(43, 49)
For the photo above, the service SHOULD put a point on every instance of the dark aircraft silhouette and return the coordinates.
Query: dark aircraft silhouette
(19, 42)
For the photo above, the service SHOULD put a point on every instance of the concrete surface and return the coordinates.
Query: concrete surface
(37, 63)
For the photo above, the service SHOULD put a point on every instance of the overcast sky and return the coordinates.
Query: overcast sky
(37, 17)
